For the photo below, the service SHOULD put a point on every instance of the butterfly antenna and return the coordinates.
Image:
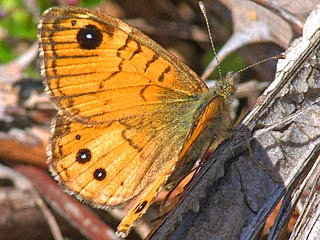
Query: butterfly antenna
(279, 56)
(204, 13)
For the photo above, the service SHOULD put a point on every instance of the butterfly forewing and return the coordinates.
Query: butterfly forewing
(87, 57)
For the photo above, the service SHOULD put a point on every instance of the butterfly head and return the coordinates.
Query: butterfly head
(226, 87)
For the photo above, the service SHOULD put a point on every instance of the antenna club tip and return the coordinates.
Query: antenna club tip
(201, 6)
(283, 55)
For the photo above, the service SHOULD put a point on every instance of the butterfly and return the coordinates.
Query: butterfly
(131, 117)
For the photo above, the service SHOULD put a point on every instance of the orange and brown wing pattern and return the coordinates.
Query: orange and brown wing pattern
(87, 56)
(109, 165)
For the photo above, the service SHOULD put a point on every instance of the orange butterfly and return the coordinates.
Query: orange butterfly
(131, 117)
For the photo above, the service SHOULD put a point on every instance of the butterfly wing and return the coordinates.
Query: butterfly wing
(118, 88)
(125, 108)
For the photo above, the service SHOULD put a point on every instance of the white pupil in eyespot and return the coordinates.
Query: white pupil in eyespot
(89, 36)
